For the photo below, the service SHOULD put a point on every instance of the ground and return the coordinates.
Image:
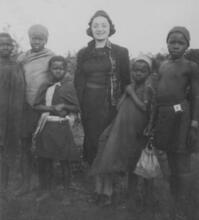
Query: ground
(75, 204)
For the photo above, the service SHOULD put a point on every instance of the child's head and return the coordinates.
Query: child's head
(57, 68)
(178, 40)
(141, 69)
(6, 45)
(38, 36)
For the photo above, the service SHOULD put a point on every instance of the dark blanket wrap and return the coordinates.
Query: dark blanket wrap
(56, 139)
(12, 90)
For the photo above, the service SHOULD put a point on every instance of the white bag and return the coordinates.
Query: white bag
(148, 165)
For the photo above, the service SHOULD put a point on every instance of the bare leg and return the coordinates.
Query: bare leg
(108, 185)
(107, 190)
(134, 201)
(42, 173)
(4, 175)
(149, 200)
(180, 184)
(98, 184)
(132, 184)
(26, 166)
(66, 173)
(49, 173)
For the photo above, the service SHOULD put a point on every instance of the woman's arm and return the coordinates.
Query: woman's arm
(124, 69)
(79, 78)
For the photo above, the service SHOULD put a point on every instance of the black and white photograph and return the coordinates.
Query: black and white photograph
(99, 110)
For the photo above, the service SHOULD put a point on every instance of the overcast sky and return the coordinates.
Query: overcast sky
(141, 25)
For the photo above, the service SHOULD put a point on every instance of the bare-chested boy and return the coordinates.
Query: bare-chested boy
(176, 123)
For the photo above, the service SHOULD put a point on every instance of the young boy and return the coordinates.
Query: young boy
(53, 135)
(11, 103)
(176, 123)
(35, 65)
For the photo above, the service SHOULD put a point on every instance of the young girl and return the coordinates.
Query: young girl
(121, 144)
(53, 137)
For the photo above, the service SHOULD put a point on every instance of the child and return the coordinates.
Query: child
(12, 88)
(35, 65)
(176, 125)
(53, 135)
(121, 144)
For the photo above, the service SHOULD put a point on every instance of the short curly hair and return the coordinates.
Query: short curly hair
(57, 58)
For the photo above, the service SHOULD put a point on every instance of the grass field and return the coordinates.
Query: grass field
(75, 204)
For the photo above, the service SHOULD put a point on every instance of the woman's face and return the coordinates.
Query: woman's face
(100, 28)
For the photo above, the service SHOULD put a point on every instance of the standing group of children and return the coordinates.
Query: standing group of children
(36, 103)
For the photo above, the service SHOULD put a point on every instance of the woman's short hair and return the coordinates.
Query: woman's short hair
(101, 13)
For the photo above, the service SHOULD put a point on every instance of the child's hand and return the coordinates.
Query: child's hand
(62, 113)
(129, 89)
(33, 148)
(59, 107)
(120, 101)
(148, 131)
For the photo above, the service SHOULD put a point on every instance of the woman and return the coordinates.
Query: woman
(101, 77)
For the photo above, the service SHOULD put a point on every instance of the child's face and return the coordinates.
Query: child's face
(140, 71)
(177, 45)
(6, 46)
(37, 43)
(58, 70)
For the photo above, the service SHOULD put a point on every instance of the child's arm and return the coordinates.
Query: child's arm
(195, 92)
(51, 109)
(44, 108)
(71, 108)
(152, 117)
(194, 126)
(152, 111)
(131, 92)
